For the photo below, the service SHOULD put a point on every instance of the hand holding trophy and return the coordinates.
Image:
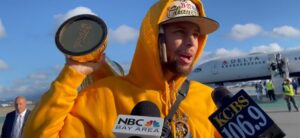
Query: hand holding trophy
(83, 38)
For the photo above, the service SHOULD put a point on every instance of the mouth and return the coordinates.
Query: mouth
(185, 58)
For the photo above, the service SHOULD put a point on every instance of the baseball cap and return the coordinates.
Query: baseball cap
(185, 10)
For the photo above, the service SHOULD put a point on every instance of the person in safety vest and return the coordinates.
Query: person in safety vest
(295, 86)
(289, 94)
(172, 37)
(270, 91)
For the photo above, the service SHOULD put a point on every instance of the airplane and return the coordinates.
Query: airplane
(255, 66)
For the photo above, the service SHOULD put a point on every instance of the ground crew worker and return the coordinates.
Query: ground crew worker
(289, 94)
(270, 91)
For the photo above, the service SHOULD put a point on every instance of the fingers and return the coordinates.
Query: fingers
(86, 67)
(70, 61)
(102, 58)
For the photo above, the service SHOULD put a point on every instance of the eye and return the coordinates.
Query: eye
(196, 34)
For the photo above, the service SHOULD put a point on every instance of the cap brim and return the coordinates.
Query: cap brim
(205, 24)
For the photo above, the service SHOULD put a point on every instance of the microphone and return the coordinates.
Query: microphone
(238, 116)
(144, 122)
(145, 108)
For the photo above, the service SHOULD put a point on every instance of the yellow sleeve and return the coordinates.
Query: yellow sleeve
(47, 118)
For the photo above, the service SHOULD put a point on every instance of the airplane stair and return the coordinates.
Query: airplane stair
(279, 71)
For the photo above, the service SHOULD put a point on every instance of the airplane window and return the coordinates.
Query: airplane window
(226, 66)
(264, 62)
(295, 58)
(245, 64)
(197, 70)
(299, 58)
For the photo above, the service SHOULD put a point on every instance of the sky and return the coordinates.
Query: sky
(30, 61)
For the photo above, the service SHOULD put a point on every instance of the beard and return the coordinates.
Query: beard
(175, 67)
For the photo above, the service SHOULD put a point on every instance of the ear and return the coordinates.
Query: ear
(162, 48)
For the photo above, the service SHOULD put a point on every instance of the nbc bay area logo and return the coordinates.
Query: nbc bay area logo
(138, 124)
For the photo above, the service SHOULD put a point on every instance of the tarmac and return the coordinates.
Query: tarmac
(288, 122)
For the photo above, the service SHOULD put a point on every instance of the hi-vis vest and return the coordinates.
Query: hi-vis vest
(269, 86)
(288, 90)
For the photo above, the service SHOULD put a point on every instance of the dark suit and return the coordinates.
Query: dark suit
(9, 123)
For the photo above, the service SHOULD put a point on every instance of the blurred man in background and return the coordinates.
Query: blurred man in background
(14, 121)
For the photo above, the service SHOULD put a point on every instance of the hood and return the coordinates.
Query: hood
(146, 70)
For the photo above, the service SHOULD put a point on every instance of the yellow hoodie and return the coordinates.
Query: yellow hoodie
(63, 112)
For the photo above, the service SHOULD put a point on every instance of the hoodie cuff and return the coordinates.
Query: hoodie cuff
(70, 77)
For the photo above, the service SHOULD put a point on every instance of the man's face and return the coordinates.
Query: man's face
(20, 104)
(182, 45)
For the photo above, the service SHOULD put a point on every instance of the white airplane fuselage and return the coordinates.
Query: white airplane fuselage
(243, 68)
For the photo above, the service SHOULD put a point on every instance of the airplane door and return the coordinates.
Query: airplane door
(214, 69)
(271, 57)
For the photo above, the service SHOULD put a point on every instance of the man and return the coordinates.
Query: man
(289, 94)
(259, 90)
(295, 86)
(172, 37)
(14, 121)
(270, 91)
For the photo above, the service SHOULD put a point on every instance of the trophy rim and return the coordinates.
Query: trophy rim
(71, 20)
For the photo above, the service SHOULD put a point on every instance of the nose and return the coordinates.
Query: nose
(191, 40)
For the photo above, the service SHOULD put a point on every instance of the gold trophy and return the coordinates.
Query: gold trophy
(83, 38)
